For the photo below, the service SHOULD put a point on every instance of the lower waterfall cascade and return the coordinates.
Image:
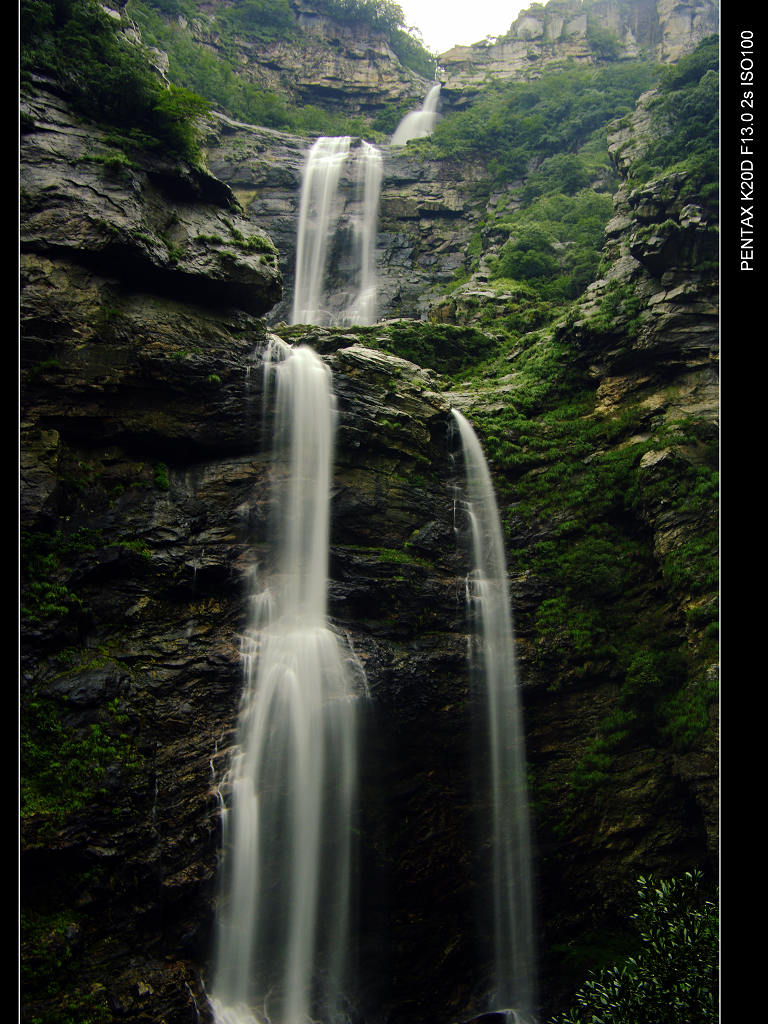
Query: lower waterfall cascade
(494, 658)
(287, 800)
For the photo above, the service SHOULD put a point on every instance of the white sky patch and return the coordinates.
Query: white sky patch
(447, 23)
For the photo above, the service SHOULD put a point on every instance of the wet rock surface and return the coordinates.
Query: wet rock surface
(177, 229)
(145, 474)
(345, 67)
(427, 212)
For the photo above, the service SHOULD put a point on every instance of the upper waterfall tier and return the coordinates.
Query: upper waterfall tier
(336, 280)
(418, 123)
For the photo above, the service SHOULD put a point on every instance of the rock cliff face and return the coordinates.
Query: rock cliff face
(353, 70)
(429, 210)
(341, 67)
(652, 361)
(144, 463)
(580, 31)
(427, 214)
(178, 230)
(143, 488)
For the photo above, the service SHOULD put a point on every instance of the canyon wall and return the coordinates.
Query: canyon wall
(143, 474)
(584, 32)
(148, 291)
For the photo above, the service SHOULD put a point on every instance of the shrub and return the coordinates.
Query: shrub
(602, 41)
(513, 123)
(107, 76)
(259, 19)
(673, 976)
(686, 123)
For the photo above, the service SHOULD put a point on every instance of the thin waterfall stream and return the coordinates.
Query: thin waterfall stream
(496, 661)
(418, 123)
(288, 798)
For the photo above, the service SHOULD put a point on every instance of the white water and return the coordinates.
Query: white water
(489, 603)
(287, 817)
(362, 308)
(336, 284)
(419, 123)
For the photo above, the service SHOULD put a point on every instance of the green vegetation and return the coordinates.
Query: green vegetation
(388, 18)
(602, 41)
(554, 243)
(515, 125)
(107, 76)
(162, 482)
(545, 146)
(576, 493)
(579, 499)
(49, 964)
(62, 771)
(196, 68)
(46, 593)
(673, 975)
(544, 143)
(618, 312)
(218, 75)
(686, 124)
(447, 348)
(261, 20)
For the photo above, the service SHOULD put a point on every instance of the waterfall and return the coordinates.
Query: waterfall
(336, 283)
(489, 604)
(362, 309)
(418, 123)
(282, 926)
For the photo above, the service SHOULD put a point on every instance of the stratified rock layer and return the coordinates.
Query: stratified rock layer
(144, 481)
(427, 212)
(177, 229)
(344, 67)
(584, 32)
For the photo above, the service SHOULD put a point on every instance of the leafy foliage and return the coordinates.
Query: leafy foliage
(514, 123)
(217, 76)
(602, 41)
(447, 348)
(259, 19)
(673, 976)
(388, 18)
(554, 243)
(108, 77)
(551, 135)
(577, 495)
(62, 771)
(380, 15)
(686, 123)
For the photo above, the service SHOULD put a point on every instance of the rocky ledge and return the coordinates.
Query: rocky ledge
(428, 211)
(174, 227)
(347, 68)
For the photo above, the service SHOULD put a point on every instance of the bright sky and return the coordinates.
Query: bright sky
(444, 23)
